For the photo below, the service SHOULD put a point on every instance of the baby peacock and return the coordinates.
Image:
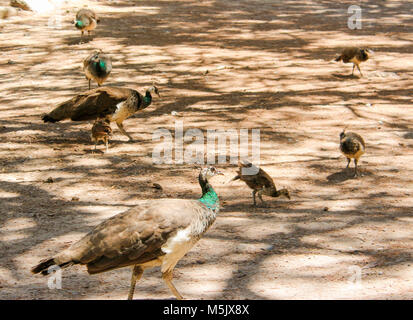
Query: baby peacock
(354, 55)
(352, 146)
(101, 131)
(97, 66)
(259, 181)
(86, 20)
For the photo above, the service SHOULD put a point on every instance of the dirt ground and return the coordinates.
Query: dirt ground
(269, 67)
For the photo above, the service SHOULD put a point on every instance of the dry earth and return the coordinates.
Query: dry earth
(269, 67)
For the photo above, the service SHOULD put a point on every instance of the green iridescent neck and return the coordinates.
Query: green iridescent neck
(147, 98)
(210, 199)
(209, 196)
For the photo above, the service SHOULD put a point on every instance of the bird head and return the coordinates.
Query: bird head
(366, 52)
(96, 54)
(209, 172)
(343, 133)
(154, 89)
(284, 192)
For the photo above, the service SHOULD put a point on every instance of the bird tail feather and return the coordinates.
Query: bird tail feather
(237, 177)
(44, 265)
(61, 112)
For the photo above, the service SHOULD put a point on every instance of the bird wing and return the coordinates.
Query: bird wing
(98, 102)
(260, 179)
(266, 180)
(133, 237)
(88, 59)
(349, 53)
(86, 15)
(358, 137)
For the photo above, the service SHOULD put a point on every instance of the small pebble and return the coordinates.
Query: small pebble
(49, 180)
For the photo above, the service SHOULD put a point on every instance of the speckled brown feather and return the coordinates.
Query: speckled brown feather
(255, 181)
(101, 130)
(259, 181)
(93, 103)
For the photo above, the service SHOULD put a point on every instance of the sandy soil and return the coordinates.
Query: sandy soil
(269, 67)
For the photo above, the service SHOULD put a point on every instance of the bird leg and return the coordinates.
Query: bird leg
(167, 277)
(107, 144)
(253, 198)
(120, 126)
(89, 84)
(355, 167)
(354, 65)
(348, 162)
(260, 197)
(136, 275)
(358, 67)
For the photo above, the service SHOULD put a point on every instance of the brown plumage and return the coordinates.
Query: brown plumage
(97, 66)
(116, 104)
(352, 146)
(101, 131)
(154, 233)
(259, 181)
(86, 20)
(355, 56)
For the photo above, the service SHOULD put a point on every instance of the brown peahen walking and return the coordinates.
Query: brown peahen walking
(154, 233)
(116, 104)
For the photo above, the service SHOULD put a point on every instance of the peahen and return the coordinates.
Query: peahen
(86, 20)
(154, 233)
(116, 104)
(97, 66)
